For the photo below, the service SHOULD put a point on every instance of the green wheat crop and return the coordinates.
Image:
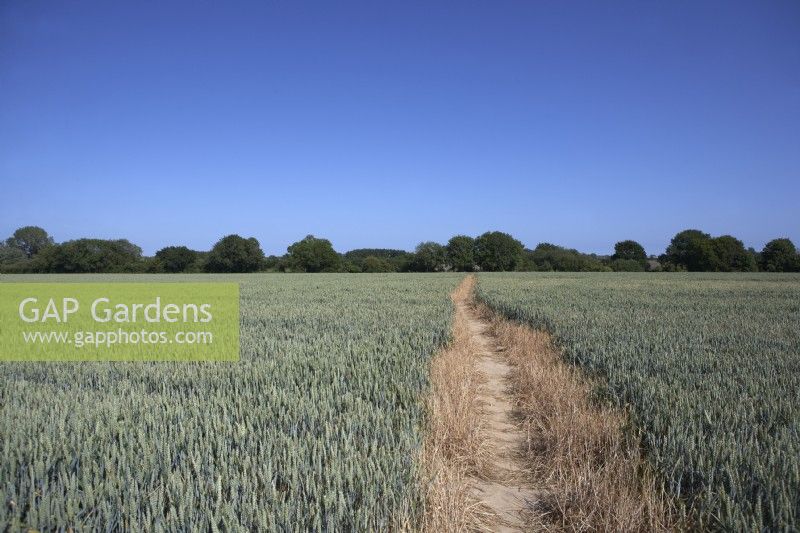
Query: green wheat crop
(710, 366)
(317, 428)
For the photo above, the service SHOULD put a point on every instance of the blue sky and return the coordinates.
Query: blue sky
(382, 124)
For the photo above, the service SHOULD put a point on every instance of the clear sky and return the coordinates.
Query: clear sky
(381, 124)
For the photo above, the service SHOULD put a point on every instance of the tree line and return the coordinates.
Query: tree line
(32, 250)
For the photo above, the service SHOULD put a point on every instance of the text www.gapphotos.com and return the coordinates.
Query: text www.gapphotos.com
(97, 339)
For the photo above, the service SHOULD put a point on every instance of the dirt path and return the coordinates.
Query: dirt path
(587, 473)
(505, 493)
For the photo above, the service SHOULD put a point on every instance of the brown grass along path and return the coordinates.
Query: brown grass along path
(515, 444)
(474, 447)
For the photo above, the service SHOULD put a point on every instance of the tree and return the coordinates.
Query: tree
(30, 240)
(692, 250)
(399, 259)
(273, 263)
(176, 258)
(732, 255)
(630, 250)
(780, 255)
(626, 265)
(548, 256)
(497, 251)
(377, 264)
(314, 255)
(90, 256)
(461, 253)
(11, 258)
(233, 253)
(429, 257)
(350, 267)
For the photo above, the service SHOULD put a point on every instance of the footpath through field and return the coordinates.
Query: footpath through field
(531, 448)
(503, 488)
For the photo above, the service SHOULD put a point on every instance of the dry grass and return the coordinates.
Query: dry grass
(455, 445)
(587, 469)
(590, 470)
